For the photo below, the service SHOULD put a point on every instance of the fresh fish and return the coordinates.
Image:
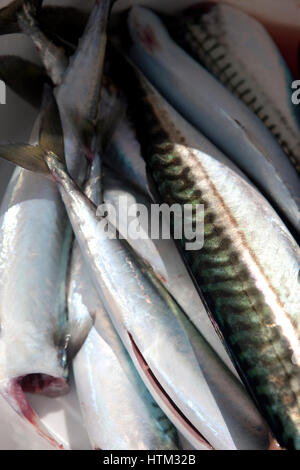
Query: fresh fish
(79, 110)
(33, 263)
(62, 25)
(118, 411)
(54, 57)
(161, 254)
(163, 258)
(78, 115)
(123, 155)
(240, 53)
(246, 281)
(248, 271)
(151, 326)
(154, 111)
(224, 120)
(18, 434)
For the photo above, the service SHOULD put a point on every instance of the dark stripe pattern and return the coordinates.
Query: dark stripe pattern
(245, 320)
(239, 308)
(193, 35)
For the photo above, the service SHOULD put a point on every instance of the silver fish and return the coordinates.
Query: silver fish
(33, 263)
(162, 255)
(164, 259)
(151, 326)
(19, 434)
(54, 57)
(78, 115)
(118, 411)
(79, 144)
(224, 120)
(247, 61)
(123, 155)
(248, 270)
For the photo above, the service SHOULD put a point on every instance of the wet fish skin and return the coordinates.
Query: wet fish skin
(155, 113)
(86, 103)
(34, 248)
(226, 120)
(79, 116)
(244, 422)
(123, 415)
(248, 271)
(62, 25)
(83, 214)
(54, 57)
(248, 63)
(55, 218)
(135, 293)
(33, 266)
(163, 257)
(123, 155)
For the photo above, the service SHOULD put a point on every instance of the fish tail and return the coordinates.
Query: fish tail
(32, 157)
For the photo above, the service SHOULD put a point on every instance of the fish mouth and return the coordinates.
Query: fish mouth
(14, 391)
(43, 384)
(168, 402)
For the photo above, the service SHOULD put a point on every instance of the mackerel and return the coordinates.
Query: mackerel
(224, 121)
(248, 271)
(118, 411)
(247, 61)
(33, 262)
(129, 289)
(159, 114)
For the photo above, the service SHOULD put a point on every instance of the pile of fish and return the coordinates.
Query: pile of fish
(169, 346)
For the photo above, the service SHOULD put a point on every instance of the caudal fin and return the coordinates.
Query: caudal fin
(32, 157)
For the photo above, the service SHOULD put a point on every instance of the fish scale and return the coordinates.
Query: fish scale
(205, 40)
(253, 299)
(263, 353)
(119, 413)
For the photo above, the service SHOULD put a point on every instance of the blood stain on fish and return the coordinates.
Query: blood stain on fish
(149, 40)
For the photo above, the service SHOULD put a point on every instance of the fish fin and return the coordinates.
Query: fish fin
(26, 156)
(8, 16)
(25, 78)
(51, 132)
(32, 157)
(73, 336)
